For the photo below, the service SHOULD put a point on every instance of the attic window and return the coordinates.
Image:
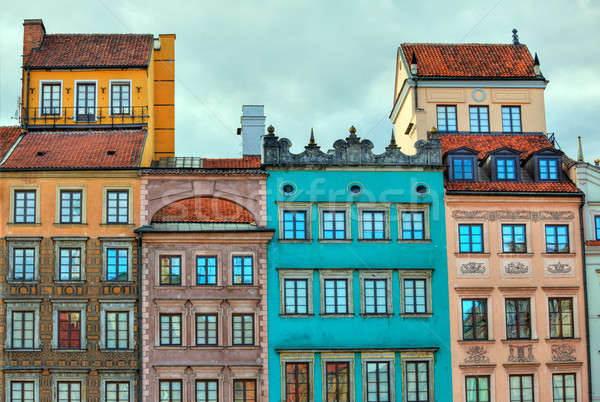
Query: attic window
(110, 152)
(548, 169)
(41, 153)
(506, 168)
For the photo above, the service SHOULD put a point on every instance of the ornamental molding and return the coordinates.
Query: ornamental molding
(473, 268)
(559, 268)
(477, 355)
(563, 353)
(520, 354)
(516, 268)
(502, 214)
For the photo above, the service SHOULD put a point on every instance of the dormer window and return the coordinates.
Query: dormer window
(548, 169)
(506, 168)
(462, 168)
(446, 118)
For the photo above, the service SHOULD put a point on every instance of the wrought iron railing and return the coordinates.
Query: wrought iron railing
(101, 116)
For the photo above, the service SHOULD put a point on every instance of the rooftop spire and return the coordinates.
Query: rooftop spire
(393, 144)
(312, 143)
(579, 150)
(536, 65)
(515, 37)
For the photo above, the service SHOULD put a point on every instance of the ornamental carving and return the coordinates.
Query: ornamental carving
(563, 353)
(24, 289)
(472, 268)
(559, 268)
(515, 268)
(501, 214)
(477, 355)
(520, 354)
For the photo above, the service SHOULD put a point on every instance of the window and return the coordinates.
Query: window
(478, 116)
(206, 270)
(506, 168)
(86, 102)
(243, 329)
(170, 329)
(294, 225)
(478, 388)
(296, 300)
(417, 381)
(336, 296)
(244, 390)
(119, 98)
(24, 264)
(415, 299)
(474, 319)
(170, 270)
(207, 390)
(243, 270)
(511, 119)
(557, 238)
(521, 388)
(206, 329)
(378, 381)
(23, 329)
(117, 391)
(51, 99)
(297, 383)
(413, 225)
(70, 264)
(334, 225)
(597, 221)
(375, 296)
(70, 206)
(446, 118)
(564, 388)
(22, 391)
(117, 330)
(117, 264)
(373, 225)
(548, 169)
(470, 238)
(463, 169)
(69, 330)
(170, 391)
(561, 317)
(68, 391)
(513, 239)
(518, 319)
(338, 381)
(117, 206)
(24, 206)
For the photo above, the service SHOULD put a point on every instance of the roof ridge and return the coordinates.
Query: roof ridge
(99, 33)
(464, 44)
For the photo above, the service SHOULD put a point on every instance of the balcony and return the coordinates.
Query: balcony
(88, 117)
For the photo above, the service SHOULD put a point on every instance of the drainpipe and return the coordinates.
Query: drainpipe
(585, 303)
(27, 102)
(140, 321)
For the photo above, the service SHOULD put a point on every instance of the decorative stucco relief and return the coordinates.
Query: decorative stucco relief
(477, 355)
(502, 214)
(516, 268)
(469, 268)
(563, 353)
(554, 267)
(520, 353)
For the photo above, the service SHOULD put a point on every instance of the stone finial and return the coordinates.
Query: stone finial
(597, 162)
(271, 130)
(352, 131)
(433, 130)
(312, 144)
(515, 37)
(393, 144)
(579, 150)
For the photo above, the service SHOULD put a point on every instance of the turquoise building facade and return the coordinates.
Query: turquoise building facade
(357, 280)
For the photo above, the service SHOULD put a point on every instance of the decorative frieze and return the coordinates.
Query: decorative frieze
(563, 353)
(472, 267)
(502, 214)
(477, 355)
(559, 267)
(520, 353)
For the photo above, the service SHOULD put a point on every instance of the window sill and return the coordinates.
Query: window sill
(468, 341)
(374, 240)
(117, 224)
(117, 350)
(242, 347)
(170, 347)
(23, 281)
(562, 339)
(325, 315)
(335, 240)
(59, 224)
(555, 255)
(72, 281)
(68, 350)
(515, 255)
(459, 254)
(206, 347)
(416, 315)
(386, 315)
(296, 315)
(295, 240)
(521, 340)
(106, 281)
(414, 241)
(23, 350)
(181, 287)
(24, 224)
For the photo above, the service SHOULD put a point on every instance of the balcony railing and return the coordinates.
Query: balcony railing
(55, 117)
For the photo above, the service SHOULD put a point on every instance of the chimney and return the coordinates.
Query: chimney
(536, 65)
(33, 35)
(413, 64)
(253, 129)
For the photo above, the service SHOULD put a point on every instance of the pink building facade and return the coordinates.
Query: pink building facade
(204, 331)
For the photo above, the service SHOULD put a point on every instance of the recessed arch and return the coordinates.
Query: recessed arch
(203, 209)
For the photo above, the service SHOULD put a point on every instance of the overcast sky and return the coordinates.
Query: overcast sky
(322, 64)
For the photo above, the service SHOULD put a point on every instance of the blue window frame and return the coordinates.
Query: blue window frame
(243, 270)
(294, 225)
(511, 119)
(513, 239)
(506, 168)
(548, 169)
(446, 118)
(373, 225)
(117, 264)
(206, 270)
(479, 119)
(557, 238)
(597, 221)
(413, 225)
(334, 225)
(470, 238)
(463, 169)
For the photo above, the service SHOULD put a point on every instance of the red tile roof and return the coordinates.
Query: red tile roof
(245, 162)
(77, 150)
(546, 187)
(592, 242)
(470, 60)
(8, 136)
(484, 144)
(203, 209)
(92, 50)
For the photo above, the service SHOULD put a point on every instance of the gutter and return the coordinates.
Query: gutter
(585, 299)
(140, 322)
(510, 193)
(27, 101)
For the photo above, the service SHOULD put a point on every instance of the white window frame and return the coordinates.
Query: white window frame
(400, 208)
(326, 274)
(376, 274)
(41, 101)
(70, 305)
(296, 274)
(110, 87)
(23, 242)
(112, 305)
(424, 274)
(75, 85)
(295, 207)
(22, 305)
(373, 207)
(31, 377)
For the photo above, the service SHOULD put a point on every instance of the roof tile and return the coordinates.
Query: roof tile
(549, 187)
(77, 150)
(470, 60)
(8, 136)
(203, 209)
(92, 50)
